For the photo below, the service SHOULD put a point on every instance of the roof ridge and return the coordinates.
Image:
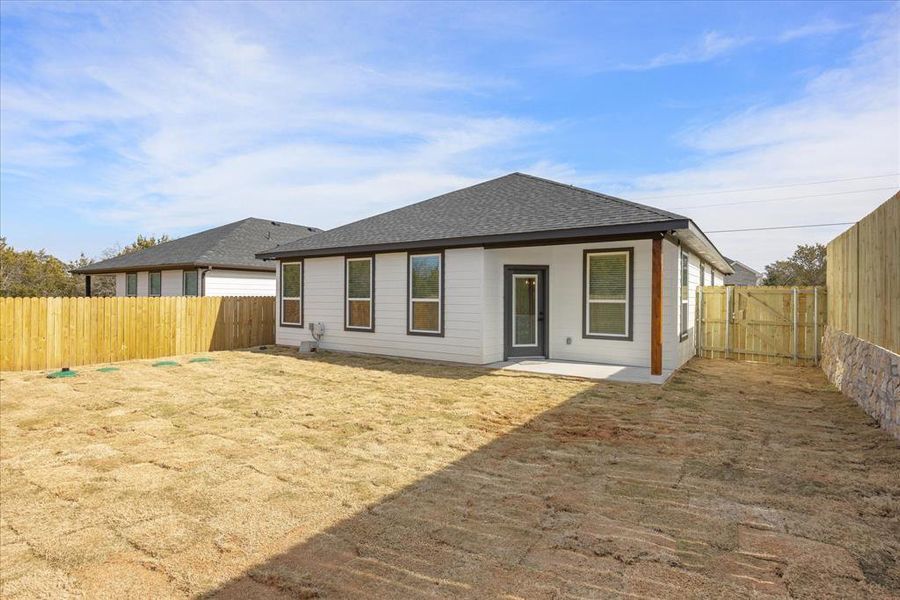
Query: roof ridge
(406, 206)
(658, 211)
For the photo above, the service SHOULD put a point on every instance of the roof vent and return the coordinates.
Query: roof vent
(275, 224)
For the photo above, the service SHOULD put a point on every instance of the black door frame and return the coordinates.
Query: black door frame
(543, 307)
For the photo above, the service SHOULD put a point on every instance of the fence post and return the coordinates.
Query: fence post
(794, 323)
(699, 320)
(727, 319)
(816, 325)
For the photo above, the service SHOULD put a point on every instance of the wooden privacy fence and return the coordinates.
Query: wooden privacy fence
(42, 333)
(863, 272)
(779, 325)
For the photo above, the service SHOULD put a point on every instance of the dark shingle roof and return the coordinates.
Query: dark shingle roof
(510, 205)
(233, 245)
(743, 275)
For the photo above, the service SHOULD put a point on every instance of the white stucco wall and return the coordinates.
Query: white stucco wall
(143, 283)
(222, 282)
(323, 296)
(171, 282)
(566, 263)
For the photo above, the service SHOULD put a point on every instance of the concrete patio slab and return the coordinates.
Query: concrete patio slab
(585, 370)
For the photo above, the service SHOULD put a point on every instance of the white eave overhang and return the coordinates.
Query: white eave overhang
(700, 245)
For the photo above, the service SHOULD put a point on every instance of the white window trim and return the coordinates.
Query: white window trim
(127, 294)
(513, 311)
(283, 297)
(348, 299)
(437, 300)
(589, 301)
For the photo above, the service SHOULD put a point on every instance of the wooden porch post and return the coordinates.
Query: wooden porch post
(656, 327)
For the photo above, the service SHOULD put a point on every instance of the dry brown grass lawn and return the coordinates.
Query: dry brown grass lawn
(268, 475)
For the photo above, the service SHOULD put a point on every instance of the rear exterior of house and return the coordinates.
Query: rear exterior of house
(216, 262)
(514, 267)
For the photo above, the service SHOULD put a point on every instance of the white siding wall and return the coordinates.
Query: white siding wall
(675, 351)
(566, 264)
(222, 282)
(171, 282)
(323, 296)
(219, 282)
(474, 306)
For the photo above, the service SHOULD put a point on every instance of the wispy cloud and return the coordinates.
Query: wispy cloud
(709, 46)
(843, 125)
(816, 28)
(200, 120)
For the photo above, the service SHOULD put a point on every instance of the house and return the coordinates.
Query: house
(517, 266)
(216, 262)
(743, 275)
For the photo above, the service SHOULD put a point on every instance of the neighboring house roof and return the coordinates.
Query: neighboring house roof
(229, 246)
(743, 275)
(514, 208)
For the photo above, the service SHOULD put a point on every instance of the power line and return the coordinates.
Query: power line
(768, 187)
(785, 227)
(881, 189)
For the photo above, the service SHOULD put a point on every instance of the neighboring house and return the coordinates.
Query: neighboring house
(515, 266)
(743, 275)
(216, 262)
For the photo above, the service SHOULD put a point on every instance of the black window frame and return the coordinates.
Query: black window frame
(135, 278)
(184, 275)
(410, 299)
(281, 264)
(629, 302)
(150, 275)
(371, 299)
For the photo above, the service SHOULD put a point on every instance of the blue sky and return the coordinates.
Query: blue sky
(119, 119)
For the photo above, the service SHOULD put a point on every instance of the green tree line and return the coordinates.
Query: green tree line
(31, 273)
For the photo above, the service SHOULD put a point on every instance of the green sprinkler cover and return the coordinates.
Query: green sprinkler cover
(108, 369)
(165, 363)
(201, 359)
(61, 374)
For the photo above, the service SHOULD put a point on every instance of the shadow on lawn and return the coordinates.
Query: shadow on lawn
(555, 506)
(625, 494)
(397, 366)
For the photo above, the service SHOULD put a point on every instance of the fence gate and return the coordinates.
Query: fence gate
(779, 325)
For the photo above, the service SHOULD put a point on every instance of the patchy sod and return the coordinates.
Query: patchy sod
(276, 475)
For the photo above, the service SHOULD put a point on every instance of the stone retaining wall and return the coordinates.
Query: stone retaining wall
(867, 373)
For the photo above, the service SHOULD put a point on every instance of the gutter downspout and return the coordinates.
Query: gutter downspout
(203, 272)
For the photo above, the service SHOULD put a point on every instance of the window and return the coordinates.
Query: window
(425, 293)
(131, 284)
(608, 293)
(703, 274)
(292, 293)
(684, 295)
(155, 283)
(189, 284)
(359, 287)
